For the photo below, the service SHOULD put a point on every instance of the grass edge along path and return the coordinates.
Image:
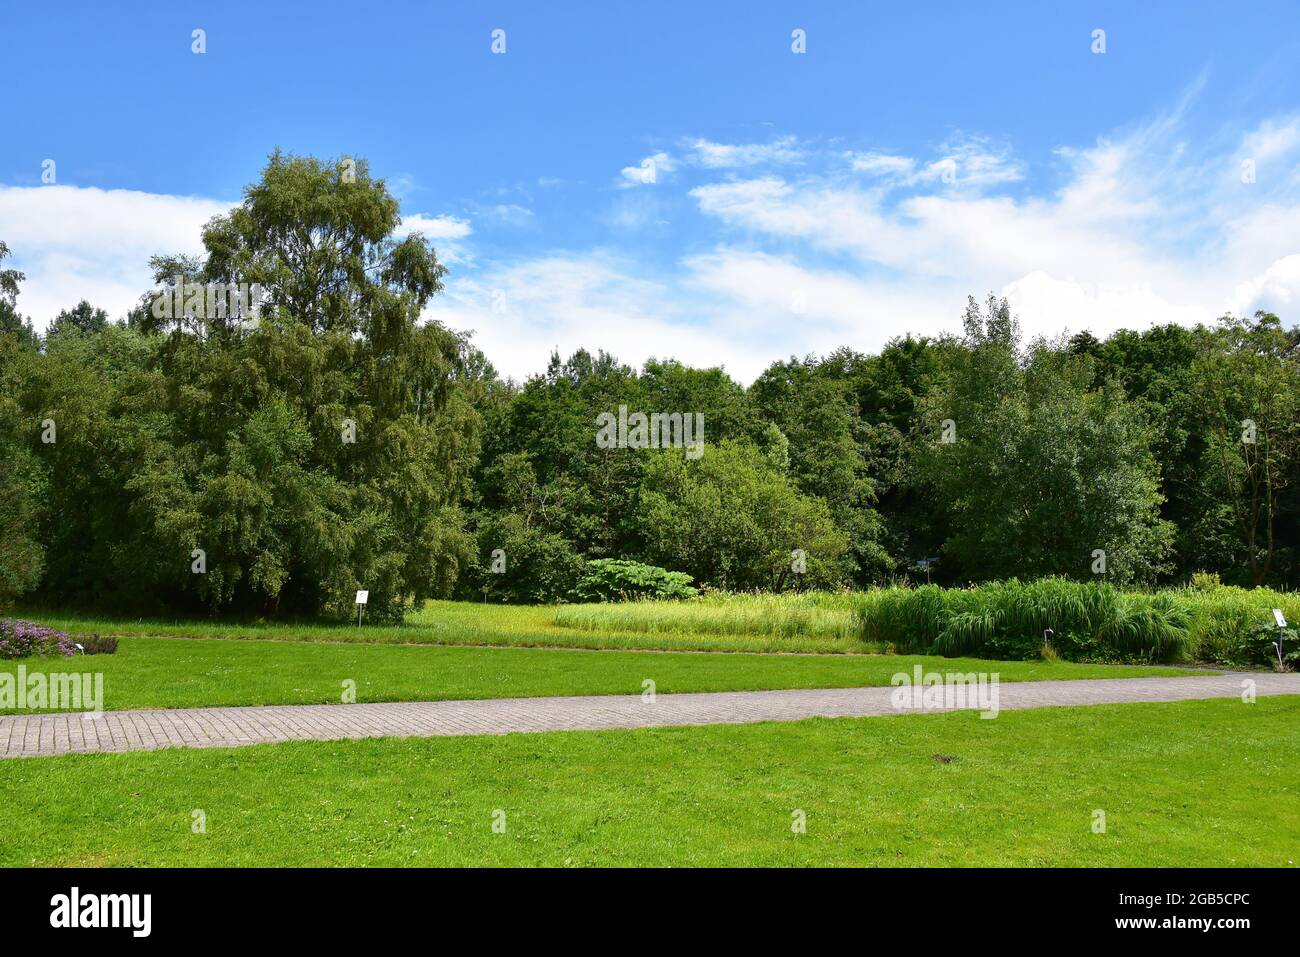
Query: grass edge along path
(188, 673)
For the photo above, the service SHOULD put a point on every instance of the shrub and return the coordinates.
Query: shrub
(1263, 644)
(97, 645)
(23, 639)
(540, 566)
(613, 579)
(1234, 626)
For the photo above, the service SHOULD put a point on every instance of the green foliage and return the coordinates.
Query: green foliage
(81, 320)
(823, 616)
(1248, 377)
(11, 323)
(1012, 619)
(1042, 471)
(1088, 621)
(539, 565)
(202, 432)
(731, 521)
(1205, 581)
(821, 441)
(613, 579)
(22, 557)
(1234, 626)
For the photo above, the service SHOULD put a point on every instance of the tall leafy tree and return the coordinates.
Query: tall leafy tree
(82, 319)
(731, 520)
(827, 444)
(22, 556)
(1156, 368)
(11, 323)
(1249, 386)
(284, 462)
(1043, 474)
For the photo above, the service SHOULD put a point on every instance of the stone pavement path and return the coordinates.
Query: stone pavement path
(30, 735)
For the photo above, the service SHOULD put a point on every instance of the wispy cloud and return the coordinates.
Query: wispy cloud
(881, 164)
(447, 233)
(711, 155)
(968, 162)
(434, 227)
(763, 250)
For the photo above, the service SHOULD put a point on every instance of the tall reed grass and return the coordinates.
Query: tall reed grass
(1082, 621)
(822, 615)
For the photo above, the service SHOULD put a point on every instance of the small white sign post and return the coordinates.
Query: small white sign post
(362, 598)
(1281, 626)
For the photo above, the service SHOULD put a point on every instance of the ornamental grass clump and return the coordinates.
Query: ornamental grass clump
(1082, 621)
(23, 639)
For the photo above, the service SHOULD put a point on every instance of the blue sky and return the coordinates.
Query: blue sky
(671, 178)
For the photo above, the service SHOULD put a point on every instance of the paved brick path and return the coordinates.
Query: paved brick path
(30, 735)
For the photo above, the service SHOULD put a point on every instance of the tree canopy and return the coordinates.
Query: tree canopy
(274, 452)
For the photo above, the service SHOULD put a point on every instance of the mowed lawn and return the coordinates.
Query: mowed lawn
(1189, 783)
(182, 673)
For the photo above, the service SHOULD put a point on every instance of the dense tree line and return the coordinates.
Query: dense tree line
(194, 458)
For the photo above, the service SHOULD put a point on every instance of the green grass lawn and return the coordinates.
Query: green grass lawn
(1190, 783)
(818, 623)
(181, 673)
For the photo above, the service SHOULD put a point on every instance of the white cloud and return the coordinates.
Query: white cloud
(1140, 231)
(712, 155)
(649, 171)
(1271, 140)
(973, 163)
(510, 214)
(969, 163)
(1049, 305)
(882, 164)
(790, 309)
(520, 312)
(85, 243)
(434, 227)
(447, 233)
(1277, 290)
(1148, 226)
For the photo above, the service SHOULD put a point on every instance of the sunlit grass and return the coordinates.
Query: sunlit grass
(190, 673)
(1000, 619)
(816, 623)
(825, 616)
(1203, 783)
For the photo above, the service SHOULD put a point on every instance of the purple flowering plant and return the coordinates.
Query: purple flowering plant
(22, 639)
